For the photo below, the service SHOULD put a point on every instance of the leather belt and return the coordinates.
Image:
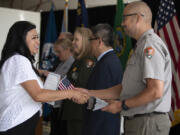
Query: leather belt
(144, 115)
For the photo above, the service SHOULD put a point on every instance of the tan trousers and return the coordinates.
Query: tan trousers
(154, 124)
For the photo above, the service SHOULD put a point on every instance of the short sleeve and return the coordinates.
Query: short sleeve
(153, 62)
(16, 70)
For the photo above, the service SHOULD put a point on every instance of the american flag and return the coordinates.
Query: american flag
(65, 84)
(167, 27)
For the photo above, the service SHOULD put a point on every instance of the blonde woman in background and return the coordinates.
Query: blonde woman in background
(78, 75)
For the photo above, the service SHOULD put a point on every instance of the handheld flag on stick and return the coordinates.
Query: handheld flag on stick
(65, 84)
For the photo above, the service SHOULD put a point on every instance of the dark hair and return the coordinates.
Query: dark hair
(16, 42)
(105, 32)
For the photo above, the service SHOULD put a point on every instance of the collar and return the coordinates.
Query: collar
(71, 59)
(150, 31)
(102, 54)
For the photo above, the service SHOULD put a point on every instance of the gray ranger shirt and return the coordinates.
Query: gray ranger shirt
(151, 59)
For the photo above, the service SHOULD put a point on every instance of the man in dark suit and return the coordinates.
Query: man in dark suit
(106, 73)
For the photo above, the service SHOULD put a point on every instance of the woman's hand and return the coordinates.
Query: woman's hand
(79, 97)
(82, 90)
(43, 72)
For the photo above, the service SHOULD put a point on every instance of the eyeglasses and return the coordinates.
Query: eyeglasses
(124, 16)
(95, 38)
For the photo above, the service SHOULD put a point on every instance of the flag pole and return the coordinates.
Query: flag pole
(66, 15)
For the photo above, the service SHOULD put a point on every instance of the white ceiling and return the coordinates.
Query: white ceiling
(45, 5)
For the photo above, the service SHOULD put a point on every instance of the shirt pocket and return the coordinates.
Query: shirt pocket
(132, 60)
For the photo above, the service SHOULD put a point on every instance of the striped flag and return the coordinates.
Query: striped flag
(167, 27)
(65, 84)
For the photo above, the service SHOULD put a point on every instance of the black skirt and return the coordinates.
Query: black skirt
(26, 128)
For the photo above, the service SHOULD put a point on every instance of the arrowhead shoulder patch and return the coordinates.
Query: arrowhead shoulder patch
(149, 52)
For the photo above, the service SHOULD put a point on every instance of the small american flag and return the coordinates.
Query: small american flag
(65, 84)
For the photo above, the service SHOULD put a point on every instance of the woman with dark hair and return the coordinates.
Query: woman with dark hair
(21, 91)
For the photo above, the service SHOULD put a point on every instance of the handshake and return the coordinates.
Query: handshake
(82, 96)
(79, 96)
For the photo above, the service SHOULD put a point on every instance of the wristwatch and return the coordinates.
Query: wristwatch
(124, 106)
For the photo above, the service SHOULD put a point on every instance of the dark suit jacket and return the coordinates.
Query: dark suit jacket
(106, 73)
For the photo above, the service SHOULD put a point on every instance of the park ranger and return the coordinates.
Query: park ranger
(145, 92)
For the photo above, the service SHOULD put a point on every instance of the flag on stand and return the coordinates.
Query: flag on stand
(65, 84)
(122, 44)
(82, 15)
(49, 59)
(167, 27)
(64, 27)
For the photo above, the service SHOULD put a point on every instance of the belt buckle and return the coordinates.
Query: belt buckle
(129, 117)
